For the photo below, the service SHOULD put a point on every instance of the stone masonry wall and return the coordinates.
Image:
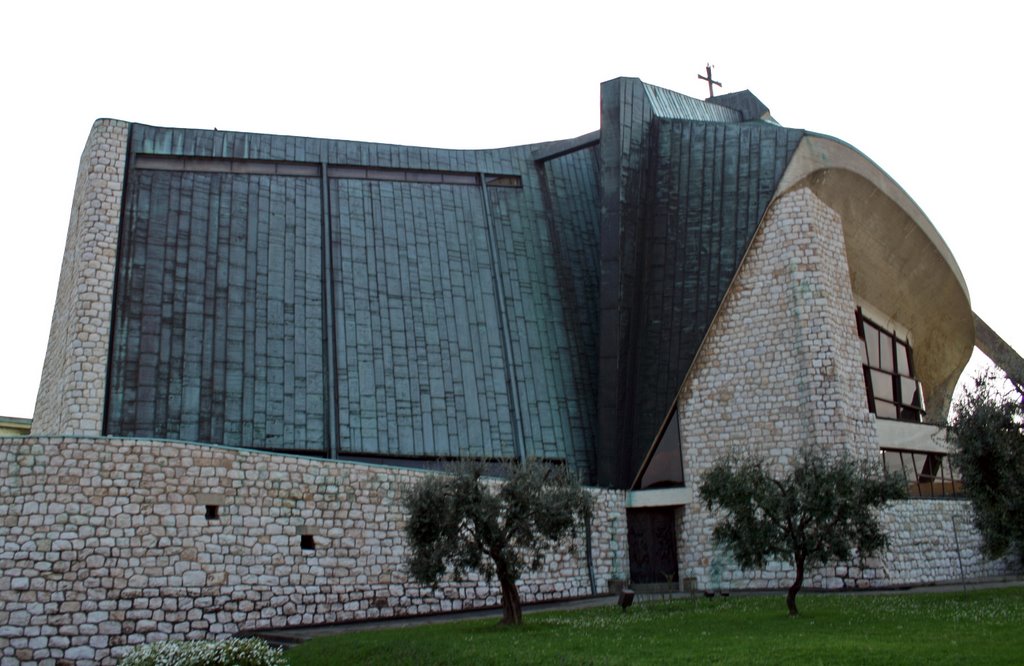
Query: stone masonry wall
(934, 541)
(105, 543)
(73, 382)
(780, 369)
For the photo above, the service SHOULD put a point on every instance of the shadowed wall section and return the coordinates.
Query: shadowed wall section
(682, 193)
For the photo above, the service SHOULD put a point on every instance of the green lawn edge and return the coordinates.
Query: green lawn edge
(981, 626)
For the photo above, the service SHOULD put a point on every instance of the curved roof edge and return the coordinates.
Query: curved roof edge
(820, 151)
(173, 145)
(898, 262)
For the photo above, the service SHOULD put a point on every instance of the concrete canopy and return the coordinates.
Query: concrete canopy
(898, 262)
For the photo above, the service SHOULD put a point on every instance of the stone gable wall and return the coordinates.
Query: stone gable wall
(73, 383)
(104, 543)
(780, 369)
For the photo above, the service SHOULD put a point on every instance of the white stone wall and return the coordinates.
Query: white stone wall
(934, 541)
(780, 369)
(104, 543)
(73, 382)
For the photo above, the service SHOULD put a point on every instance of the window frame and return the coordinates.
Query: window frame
(892, 403)
(935, 478)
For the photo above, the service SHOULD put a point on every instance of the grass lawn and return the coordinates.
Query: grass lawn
(986, 627)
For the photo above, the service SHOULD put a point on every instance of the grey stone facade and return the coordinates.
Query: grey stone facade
(105, 543)
(74, 380)
(781, 369)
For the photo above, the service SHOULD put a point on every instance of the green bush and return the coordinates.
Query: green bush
(232, 652)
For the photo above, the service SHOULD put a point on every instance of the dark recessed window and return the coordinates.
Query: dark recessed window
(504, 181)
(893, 391)
(665, 465)
(928, 474)
(306, 542)
(212, 512)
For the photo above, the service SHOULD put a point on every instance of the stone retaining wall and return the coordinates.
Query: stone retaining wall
(930, 542)
(105, 543)
(934, 541)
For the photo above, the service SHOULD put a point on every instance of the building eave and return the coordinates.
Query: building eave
(898, 261)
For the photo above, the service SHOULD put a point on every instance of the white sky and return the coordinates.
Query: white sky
(928, 93)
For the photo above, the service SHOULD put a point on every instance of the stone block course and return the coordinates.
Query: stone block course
(139, 561)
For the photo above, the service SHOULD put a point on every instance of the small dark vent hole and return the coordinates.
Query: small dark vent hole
(306, 542)
(212, 512)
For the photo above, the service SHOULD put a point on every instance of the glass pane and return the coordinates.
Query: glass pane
(946, 479)
(881, 386)
(665, 467)
(885, 410)
(916, 463)
(910, 414)
(909, 392)
(871, 341)
(885, 360)
(930, 466)
(893, 463)
(902, 359)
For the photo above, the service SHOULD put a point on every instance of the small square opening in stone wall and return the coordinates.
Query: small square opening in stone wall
(306, 542)
(212, 512)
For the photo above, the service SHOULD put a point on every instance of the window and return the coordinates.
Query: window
(928, 474)
(892, 390)
(665, 466)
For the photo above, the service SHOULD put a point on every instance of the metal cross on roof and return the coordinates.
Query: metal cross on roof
(711, 82)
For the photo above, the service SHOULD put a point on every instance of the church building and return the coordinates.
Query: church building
(259, 342)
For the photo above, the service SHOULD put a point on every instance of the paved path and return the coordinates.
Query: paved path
(294, 635)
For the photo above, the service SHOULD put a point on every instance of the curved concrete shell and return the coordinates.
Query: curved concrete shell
(898, 262)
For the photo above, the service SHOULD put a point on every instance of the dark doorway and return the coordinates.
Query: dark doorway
(652, 545)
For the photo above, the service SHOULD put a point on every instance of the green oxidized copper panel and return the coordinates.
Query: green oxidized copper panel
(217, 325)
(549, 278)
(712, 184)
(419, 359)
(535, 322)
(683, 187)
(574, 209)
(575, 219)
(266, 147)
(625, 157)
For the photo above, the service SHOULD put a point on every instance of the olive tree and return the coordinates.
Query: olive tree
(817, 511)
(460, 522)
(987, 433)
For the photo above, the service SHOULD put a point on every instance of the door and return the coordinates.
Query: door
(652, 545)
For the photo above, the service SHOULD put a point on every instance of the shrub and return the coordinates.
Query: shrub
(232, 652)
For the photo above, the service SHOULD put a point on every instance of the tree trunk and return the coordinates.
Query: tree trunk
(795, 587)
(511, 609)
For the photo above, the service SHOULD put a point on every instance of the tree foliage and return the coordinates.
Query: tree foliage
(817, 512)
(461, 522)
(987, 433)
